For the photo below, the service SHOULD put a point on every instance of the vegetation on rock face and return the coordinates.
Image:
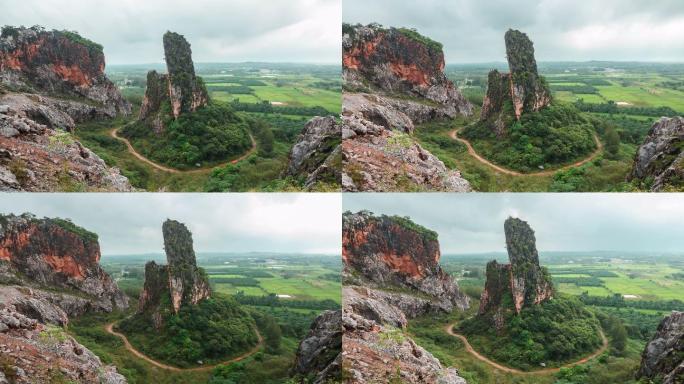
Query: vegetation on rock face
(68, 225)
(554, 135)
(211, 134)
(213, 330)
(411, 33)
(556, 331)
(65, 224)
(404, 222)
(93, 47)
(73, 36)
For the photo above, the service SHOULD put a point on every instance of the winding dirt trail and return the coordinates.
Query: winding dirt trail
(110, 329)
(471, 151)
(450, 330)
(114, 133)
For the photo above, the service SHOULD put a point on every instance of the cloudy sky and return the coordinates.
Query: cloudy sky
(573, 30)
(240, 222)
(219, 30)
(472, 223)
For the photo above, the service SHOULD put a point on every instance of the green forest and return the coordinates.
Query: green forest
(213, 330)
(555, 135)
(211, 134)
(556, 331)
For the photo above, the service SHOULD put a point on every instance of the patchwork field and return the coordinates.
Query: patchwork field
(288, 277)
(284, 97)
(638, 289)
(625, 98)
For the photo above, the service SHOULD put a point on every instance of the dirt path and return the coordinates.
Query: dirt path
(450, 330)
(160, 167)
(110, 329)
(471, 151)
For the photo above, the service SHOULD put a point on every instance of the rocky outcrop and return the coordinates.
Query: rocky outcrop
(379, 152)
(316, 156)
(394, 79)
(180, 88)
(58, 63)
(49, 81)
(398, 60)
(523, 89)
(375, 353)
(391, 274)
(35, 156)
(663, 357)
(181, 281)
(57, 254)
(34, 352)
(320, 353)
(395, 252)
(188, 284)
(521, 283)
(659, 161)
(46, 306)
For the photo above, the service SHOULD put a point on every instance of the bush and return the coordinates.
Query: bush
(555, 135)
(214, 329)
(553, 332)
(210, 134)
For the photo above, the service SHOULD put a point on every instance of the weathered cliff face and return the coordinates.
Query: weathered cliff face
(180, 88)
(156, 95)
(379, 153)
(55, 253)
(383, 255)
(395, 252)
(34, 352)
(35, 157)
(320, 353)
(399, 60)
(181, 281)
(375, 351)
(317, 156)
(187, 283)
(186, 91)
(57, 63)
(50, 81)
(659, 162)
(663, 357)
(523, 89)
(522, 283)
(528, 90)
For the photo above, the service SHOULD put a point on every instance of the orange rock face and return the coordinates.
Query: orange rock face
(408, 59)
(71, 62)
(65, 264)
(400, 250)
(65, 252)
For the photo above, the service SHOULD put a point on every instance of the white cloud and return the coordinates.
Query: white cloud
(218, 30)
(473, 30)
(562, 222)
(240, 222)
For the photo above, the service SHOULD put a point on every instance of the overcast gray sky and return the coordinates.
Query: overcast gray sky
(218, 30)
(472, 223)
(573, 30)
(239, 222)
